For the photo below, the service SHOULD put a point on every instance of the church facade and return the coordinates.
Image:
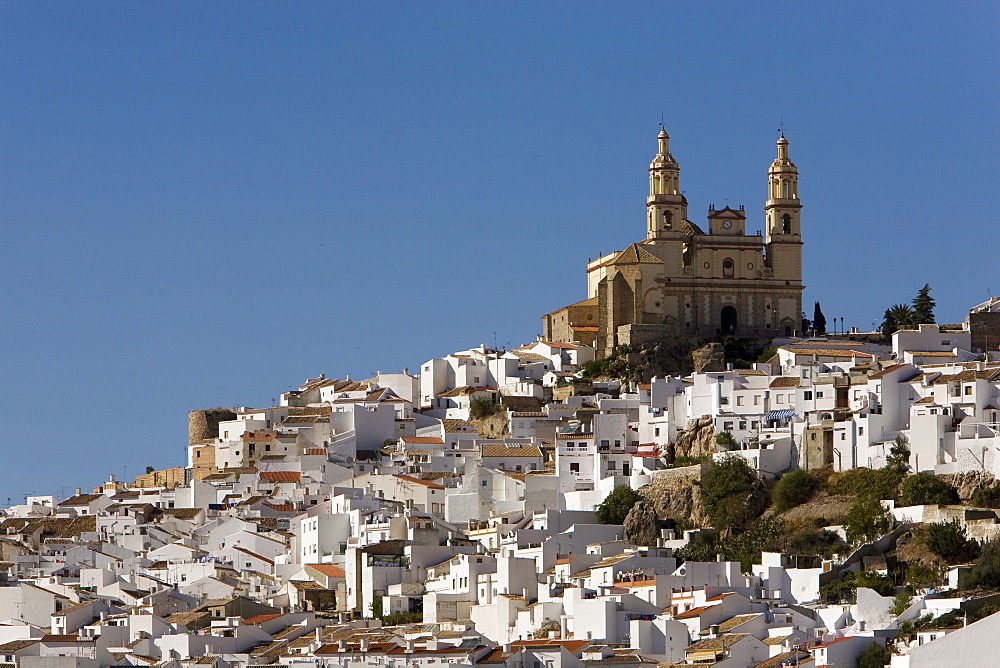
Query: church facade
(689, 281)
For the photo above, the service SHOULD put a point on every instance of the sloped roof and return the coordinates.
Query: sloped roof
(635, 254)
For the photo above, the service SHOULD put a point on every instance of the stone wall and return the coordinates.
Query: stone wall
(204, 424)
(985, 328)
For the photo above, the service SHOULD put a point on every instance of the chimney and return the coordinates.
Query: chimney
(713, 631)
(79, 491)
(506, 649)
(319, 635)
(364, 644)
(409, 647)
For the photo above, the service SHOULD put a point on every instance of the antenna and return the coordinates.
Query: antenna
(781, 126)
(661, 122)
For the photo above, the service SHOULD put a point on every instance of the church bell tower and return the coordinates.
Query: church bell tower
(783, 204)
(666, 207)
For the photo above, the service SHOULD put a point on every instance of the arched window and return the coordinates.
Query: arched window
(668, 220)
(786, 224)
(727, 268)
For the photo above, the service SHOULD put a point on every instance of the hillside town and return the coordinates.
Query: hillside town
(832, 502)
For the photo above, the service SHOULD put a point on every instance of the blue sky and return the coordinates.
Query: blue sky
(202, 204)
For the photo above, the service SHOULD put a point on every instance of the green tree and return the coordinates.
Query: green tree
(866, 520)
(875, 655)
(616, 505)
(732, 494)
(794, 489)
(819, 320)
(900, 603)
(920, 576)
(806, 324)
(948, 540)
(899, 455)
(746, 547)
(898, 316)
(923, 306)
(926, 488)
(725, 441)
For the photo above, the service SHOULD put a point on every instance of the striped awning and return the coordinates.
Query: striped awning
(780, 415)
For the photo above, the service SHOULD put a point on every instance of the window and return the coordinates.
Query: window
(968, 390)
(807, 395)
(727, 268)
(739, 400)
(861, 430)
(756, 400)
(780, 398)
(727, 426)
(819, 394)
(575, 467)
(656, 432)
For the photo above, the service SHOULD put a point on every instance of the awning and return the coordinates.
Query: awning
(780, 415)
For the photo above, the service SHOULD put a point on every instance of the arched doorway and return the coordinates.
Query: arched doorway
(728, 320)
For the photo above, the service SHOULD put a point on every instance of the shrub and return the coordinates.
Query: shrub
(481, 407)
(794, 489)
(987, 497)
(837, 591)
(616, 505)
(925, 488)
(731, 493)
(876, 483)
(986, 571)
(948, 540)
(813, 542)
(987, 610)
(866, 520)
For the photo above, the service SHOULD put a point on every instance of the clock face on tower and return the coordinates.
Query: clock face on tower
(726, 224)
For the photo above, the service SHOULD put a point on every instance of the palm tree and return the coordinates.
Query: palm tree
(898, 316)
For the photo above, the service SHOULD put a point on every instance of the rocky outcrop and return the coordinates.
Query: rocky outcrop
(673, 494)
(640, 524)
(695, 441)
(968, 482)
(710, 357)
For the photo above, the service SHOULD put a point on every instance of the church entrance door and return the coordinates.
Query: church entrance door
(728, 320)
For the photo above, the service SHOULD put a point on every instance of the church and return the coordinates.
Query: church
(689, 281)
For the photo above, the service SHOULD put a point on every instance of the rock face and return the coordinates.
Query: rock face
(711, 357)
(967, 483)
(673, 494)
(697, 440)
(640, 524)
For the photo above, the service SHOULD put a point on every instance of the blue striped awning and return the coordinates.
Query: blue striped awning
(780, 415)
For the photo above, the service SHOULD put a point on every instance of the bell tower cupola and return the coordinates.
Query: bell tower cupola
(783, 206)
(666, 207)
